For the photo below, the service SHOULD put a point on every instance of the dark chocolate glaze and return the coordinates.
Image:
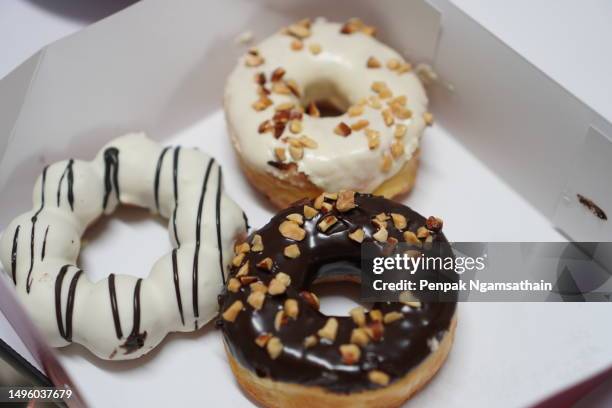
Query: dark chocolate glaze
(177, 287)
(112, 294)
(404, 344)
(218, 223)
(42, 205)
(158, 169)
(111, 174)
(136, 339)
(44, 245)
(65, 331)
(175, 163)
(196, 254)
(14, 254)
(69, 175)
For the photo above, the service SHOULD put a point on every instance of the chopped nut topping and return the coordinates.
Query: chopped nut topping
(242, 248)
(411, 238)
(422, 232)
(237, 260)
(252, 60)
(315, 48)
(279, 320)
(296, 152)
(350, 353)
(256, 243)
(399, 221)
(308, 142)
(276, 287)
(265, 263)
(311, 341)
(434, 223)
(256, 299)
(295, 126)
(393, 64)
(292, 251)
(283, 278)
(244, 270)
(326, 207)
(374, 102)
(279, 128)
(346, 201)
(385, 93)
(381, 235)
(285, 106)
(258, 287)
(274, 347)
(386, 163)
(247, 280)
(263, 339)
(265, 126)
(231, 312)
(299, 31)
(262, 103)
(233, 285)
(260, 78)
(277, 74)
(397, 149)
(296, 217)
(404, 67)
(378, 86)
(388, 117)
(311, 299)
(378, 377)
(326, 223)
(381, 216)
(280, 88)
(342, 129)
(309, 212)
(291, 230)
(313, 110)
(358, 235)
(401, 112)
(360, 124)
(329, 330)
(297, 45)
(408, 298)
(373, 63)
(355, 110)
(400, 131)
(398, 100)
(318, 202)
(358, 315)
(360, 337)
(356, 25)
(392, 317)
(373, 137)
(293, 86)
(280, 153)
(291, 308)
(428, 118)
(330, 196)
(376, 315)
(375, 330)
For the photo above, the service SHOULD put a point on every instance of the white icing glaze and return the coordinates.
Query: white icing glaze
(43, 244)
(338, 162)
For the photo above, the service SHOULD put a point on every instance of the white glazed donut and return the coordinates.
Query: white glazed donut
(385, 103)
(123, 317)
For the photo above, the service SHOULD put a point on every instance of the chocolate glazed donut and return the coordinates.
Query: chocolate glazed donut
(284, 351)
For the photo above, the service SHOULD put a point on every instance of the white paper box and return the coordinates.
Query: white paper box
(509, 149)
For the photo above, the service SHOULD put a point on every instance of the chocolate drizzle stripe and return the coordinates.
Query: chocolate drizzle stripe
(111, 174)
(136, 339)
(65, 331)
(42, 205)
(218, 222)
(69, 175)
(196, 311)
(14, 254)
(44, 245)
(158, 169)
(246, 221)
(175, 163)
(177, 288)
(112, 292)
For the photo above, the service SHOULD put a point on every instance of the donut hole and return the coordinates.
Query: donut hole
(338, 297)
(326, 96)
(135, 238)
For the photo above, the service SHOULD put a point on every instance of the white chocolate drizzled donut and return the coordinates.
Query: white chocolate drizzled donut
(385, 103)
(123, 317)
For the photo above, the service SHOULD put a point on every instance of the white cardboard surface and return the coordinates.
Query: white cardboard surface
(92, 86)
